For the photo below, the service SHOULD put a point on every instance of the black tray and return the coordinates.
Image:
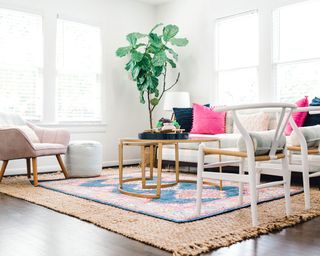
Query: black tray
(163, 136)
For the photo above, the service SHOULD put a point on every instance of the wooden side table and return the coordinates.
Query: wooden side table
(150, 145)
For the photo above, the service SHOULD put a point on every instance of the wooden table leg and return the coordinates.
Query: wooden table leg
(120, 164)
(143, 166)
(159, 170)
(177, 167)
(151, 151)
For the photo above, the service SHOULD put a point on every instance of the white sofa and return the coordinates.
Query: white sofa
(188, 151)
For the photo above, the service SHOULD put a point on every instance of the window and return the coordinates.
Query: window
(237, 58)
(21, 63)
(297, 51)
(78, 72)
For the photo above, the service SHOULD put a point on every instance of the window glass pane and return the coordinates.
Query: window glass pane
(298, 80)
(238, 86)
(297, 31)
(21, 63)
(237, 41)
(79, 67)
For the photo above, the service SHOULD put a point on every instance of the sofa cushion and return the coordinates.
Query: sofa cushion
(226, 140)
(207, 121)
(253, 122)
(43, 149)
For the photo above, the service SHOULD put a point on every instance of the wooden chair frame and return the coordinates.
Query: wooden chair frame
(34, 168)
(248, 159)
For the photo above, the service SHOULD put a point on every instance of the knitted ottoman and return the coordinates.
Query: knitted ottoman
(84, 159)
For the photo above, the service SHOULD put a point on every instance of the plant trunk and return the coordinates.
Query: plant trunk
(150, 119)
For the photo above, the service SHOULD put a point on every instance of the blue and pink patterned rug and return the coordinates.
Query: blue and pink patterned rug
(176, 204)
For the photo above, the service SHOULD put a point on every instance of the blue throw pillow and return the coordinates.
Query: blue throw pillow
(313, 119)
(184, 116)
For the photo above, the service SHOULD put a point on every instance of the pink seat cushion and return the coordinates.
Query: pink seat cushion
(44, 149)
(298, 117)
(206, 121)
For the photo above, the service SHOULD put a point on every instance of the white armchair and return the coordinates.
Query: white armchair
(253, 150)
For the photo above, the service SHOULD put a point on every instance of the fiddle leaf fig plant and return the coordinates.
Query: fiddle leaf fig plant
(150, 56)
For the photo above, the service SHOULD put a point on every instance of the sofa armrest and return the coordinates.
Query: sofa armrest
(51, 135)
(15, 144)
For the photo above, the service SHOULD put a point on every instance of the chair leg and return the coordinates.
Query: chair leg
(241, 172)
(35, 171)
(62, 166)
(3, 168)
(306, 182)
(200, 170)
(258, 180)
(28, 167)
(253, 191)
(287, 184)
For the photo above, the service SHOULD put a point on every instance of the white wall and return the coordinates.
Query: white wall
(196, 20)
(123, 115)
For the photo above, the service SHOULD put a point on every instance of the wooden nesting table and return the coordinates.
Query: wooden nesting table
(151, 145)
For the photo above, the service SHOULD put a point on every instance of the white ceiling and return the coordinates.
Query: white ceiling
(155, 2)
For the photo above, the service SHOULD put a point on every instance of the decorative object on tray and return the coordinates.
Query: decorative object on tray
(166, 130)
(149, 56)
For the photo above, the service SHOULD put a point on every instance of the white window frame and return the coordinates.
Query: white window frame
(42, 70)
(276, 50)
(218, 70)
(101, 75)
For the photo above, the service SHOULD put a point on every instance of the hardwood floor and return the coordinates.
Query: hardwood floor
(27, 229)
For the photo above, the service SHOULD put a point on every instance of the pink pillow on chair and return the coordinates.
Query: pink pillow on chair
(298, 117)
(206, 121)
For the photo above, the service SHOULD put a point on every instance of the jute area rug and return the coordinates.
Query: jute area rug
(191, 238)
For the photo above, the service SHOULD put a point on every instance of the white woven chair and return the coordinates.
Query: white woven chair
(249, 157)
(303, 163)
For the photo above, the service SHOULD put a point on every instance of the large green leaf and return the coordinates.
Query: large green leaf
(159, 59)
(133, 37)
(157, 70)
(142, 97)
(152, 83)
(123, 51)
(155, 40)
(172, 63)
(179, 41)
(145, 63)
(169, 32)
(174, 54)
(135, 72)
(136, 56)
(130, 65)
(155, 27)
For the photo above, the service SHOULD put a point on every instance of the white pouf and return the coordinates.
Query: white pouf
(84, 159)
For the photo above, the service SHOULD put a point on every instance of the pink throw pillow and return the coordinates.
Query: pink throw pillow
(206, 121)
(298, 117)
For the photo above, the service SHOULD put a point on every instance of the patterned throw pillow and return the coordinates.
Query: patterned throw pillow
(184, 117)
(253, 122)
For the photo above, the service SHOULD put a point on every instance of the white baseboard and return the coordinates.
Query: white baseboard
(53, 168)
